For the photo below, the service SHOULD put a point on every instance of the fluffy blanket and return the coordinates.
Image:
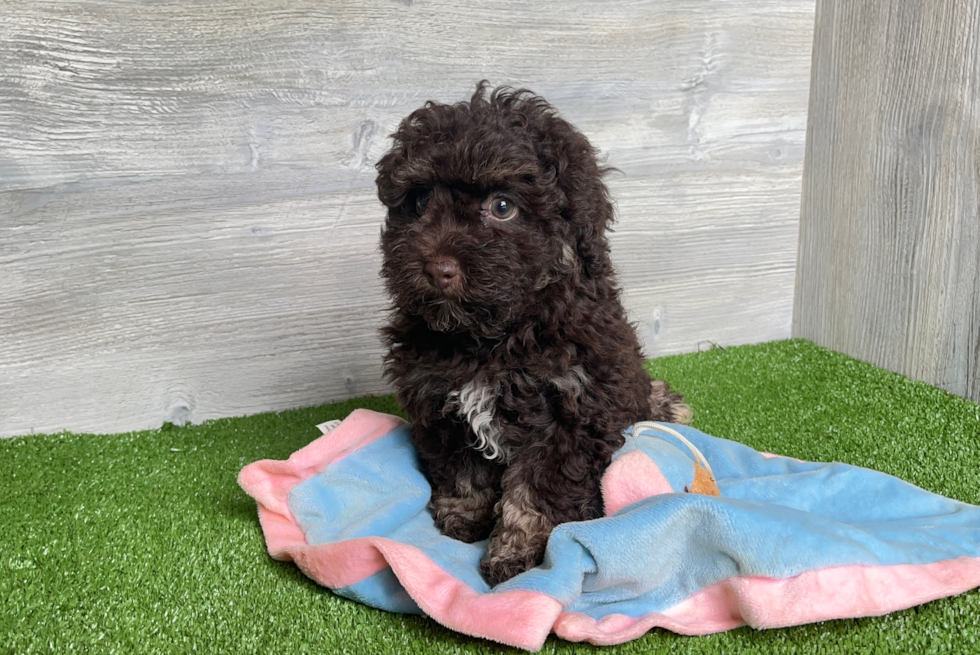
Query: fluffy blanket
(787, 542)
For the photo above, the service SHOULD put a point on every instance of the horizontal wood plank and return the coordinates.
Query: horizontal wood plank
(188, 222)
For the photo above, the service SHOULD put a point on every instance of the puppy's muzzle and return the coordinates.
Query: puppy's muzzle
(442, 271)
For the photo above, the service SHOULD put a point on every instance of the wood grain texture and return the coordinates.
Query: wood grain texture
(188, 221)
(889, 267)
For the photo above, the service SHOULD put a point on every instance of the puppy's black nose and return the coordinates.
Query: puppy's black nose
(442, 271)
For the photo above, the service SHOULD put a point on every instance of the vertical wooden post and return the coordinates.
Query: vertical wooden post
(889, 262)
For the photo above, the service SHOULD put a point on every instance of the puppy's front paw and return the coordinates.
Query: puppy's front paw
(456, 527)
(510, 554)
(497, 569)
(461, 520)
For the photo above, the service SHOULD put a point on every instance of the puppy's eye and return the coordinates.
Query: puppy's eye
(421, 203)
(502, 209)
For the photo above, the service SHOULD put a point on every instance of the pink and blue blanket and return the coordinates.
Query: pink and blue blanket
(787, 542)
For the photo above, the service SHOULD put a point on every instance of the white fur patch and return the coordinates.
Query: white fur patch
(566, 262)
(475, 406)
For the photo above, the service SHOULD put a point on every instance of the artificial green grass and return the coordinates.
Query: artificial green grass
(143, 542)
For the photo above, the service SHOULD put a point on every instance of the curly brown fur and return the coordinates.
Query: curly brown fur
(508, 345)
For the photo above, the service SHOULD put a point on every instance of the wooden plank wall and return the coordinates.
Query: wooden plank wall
(889, 267)
(188, 223)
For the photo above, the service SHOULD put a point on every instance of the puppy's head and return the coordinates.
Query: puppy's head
(491, 203)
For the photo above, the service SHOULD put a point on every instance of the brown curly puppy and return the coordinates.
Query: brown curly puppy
(509, 347)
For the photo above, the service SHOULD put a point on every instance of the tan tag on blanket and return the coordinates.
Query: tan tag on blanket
(703, 482)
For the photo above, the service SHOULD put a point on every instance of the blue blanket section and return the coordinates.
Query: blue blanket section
(777, 518)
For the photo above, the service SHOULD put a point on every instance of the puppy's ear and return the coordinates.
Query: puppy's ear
(587, 206)
(391, 192)
(408, 163)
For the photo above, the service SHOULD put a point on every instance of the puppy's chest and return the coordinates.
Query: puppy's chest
(476, 404)
(497, 408)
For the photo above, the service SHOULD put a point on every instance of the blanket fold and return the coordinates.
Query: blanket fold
(786, 542)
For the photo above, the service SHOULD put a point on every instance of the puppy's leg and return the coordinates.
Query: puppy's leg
(519, 539)
(465, 486)
(462, 505)
(667, 405)
(539, 492)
